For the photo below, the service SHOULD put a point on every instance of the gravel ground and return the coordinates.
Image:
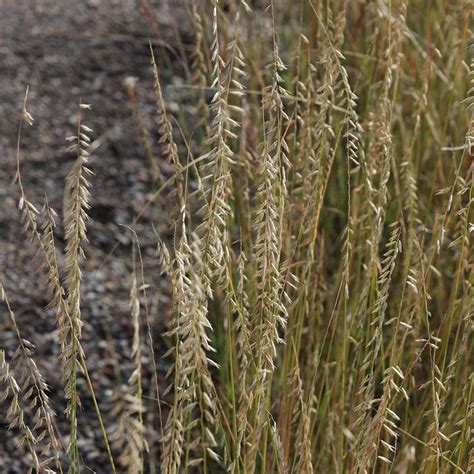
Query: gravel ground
(66, 51)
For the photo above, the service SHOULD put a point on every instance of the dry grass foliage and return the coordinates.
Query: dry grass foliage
(321, 273)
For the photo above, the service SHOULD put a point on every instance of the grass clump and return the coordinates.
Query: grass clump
(321, 273)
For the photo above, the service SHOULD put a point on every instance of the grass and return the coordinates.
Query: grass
(321, 274)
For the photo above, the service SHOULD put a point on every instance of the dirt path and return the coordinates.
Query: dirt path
(66, 50)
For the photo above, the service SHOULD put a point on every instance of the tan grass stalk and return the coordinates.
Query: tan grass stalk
(130, 437)
(131, 88)
(44, 241)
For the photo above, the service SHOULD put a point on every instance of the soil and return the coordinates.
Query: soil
(67, 51)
